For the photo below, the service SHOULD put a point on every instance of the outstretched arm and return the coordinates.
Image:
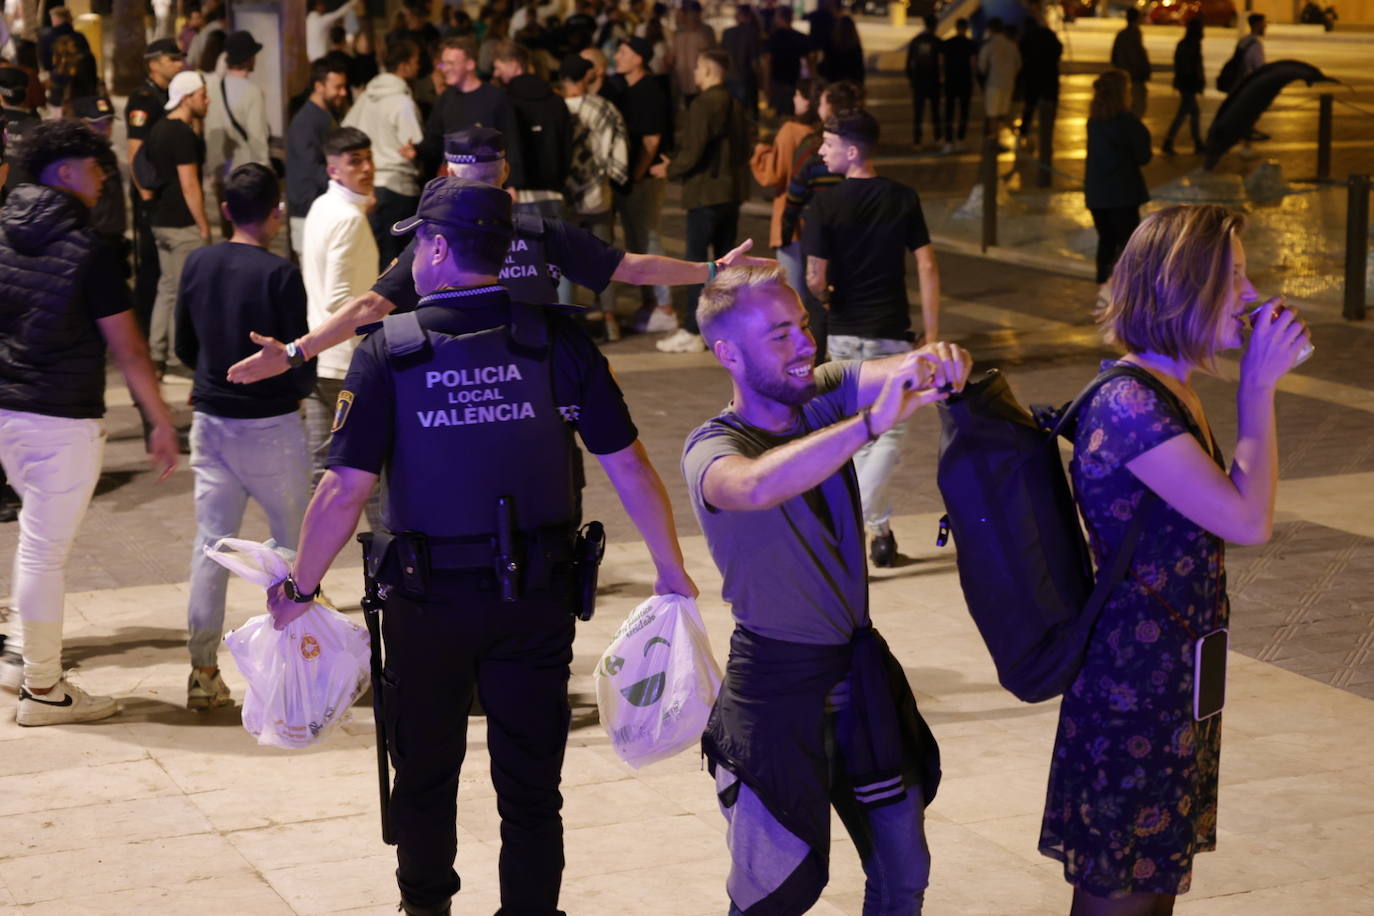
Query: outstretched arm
(271, 359)
(651, 269)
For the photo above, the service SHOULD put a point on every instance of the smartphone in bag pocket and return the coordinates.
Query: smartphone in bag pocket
(1209, 674)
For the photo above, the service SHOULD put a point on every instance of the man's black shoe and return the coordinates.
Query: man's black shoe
(883, 550)
(414, 909)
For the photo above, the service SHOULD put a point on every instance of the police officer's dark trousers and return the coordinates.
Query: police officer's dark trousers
(516, 655)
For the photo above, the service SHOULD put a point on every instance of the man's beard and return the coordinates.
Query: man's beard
(776, 389)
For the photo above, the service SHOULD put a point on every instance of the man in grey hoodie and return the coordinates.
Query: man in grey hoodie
(386, 112)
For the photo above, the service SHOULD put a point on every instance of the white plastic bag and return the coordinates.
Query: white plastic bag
(656, 682)
(301, 680)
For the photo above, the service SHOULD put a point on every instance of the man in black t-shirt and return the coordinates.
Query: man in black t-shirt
(856, 241)
(923, 75)
(176, 150)
(639, 204)
(246, 440)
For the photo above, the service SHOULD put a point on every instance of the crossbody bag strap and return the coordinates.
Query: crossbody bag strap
(224, 91)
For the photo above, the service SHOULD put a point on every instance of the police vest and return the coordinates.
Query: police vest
(476, 421)
(527, 275)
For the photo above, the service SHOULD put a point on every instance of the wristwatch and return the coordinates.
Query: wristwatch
(293, 591)
(295, 356)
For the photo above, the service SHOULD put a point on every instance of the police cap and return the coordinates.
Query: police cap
(161, 47)
(463, 204)
(476, 144)
(13, 79)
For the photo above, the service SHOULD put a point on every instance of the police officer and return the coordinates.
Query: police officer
(467, 405)
(146, 106)
(542, 250)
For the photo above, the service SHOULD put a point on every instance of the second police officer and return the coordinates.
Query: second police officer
(541, 251)
(467, 405)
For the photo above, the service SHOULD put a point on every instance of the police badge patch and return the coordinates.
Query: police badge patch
(341, 409)
(138, 117)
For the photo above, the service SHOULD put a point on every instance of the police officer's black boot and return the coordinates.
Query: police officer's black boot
(414, 909)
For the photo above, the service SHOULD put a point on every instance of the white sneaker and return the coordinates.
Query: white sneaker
(683, 341)
(65, 703)
(11, 671)
(659, 322)
(207, 691)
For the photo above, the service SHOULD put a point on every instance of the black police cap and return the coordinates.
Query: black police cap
(476, 144)
(92, 108)
(461, 203)
(13, 79)
(163, 46)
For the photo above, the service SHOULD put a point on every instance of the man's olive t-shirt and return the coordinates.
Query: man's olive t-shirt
(795, 572)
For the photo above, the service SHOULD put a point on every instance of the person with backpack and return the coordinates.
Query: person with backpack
(1247, 58)
(713, 165)
(1189, 80)
(544, 135)
(814, 711)
(1132, 792)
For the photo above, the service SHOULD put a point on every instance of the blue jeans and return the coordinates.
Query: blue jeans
(891, 840)
(794, 265)
(875, 462)
(234, 459)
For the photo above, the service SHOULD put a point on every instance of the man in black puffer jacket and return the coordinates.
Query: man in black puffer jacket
(545, 139)
(66, 302)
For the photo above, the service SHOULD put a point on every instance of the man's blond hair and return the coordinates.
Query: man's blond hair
(720, 296)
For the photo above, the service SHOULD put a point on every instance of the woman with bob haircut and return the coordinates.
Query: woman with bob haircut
(1133, 781)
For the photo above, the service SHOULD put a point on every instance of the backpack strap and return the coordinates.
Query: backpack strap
(1111, 574)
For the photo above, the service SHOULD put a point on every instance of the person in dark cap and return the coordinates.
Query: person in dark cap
(108, 216)
(541, 251)
(467, 406)
(146, 106)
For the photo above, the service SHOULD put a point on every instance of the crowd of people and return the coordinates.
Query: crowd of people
(446, 196)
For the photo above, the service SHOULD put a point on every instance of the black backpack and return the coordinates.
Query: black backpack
(1024, 564)
(1229, 76)
(145, 173)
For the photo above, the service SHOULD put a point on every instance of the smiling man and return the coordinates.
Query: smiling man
(814, 710)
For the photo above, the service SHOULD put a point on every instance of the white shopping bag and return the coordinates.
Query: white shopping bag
(301, 680)
(656, 682)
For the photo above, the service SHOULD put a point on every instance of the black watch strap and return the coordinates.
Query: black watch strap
(295, 356)
(294, 593)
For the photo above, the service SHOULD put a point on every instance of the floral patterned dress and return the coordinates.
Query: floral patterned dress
(1133, 783)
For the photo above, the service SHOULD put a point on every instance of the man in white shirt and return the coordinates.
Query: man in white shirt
(338, 264)
(236, 131)
(318, 22)
(387, 113)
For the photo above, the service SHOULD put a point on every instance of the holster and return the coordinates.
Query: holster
(588, 552)
(372, 610)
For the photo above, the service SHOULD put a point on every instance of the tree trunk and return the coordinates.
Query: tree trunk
(128, 68)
